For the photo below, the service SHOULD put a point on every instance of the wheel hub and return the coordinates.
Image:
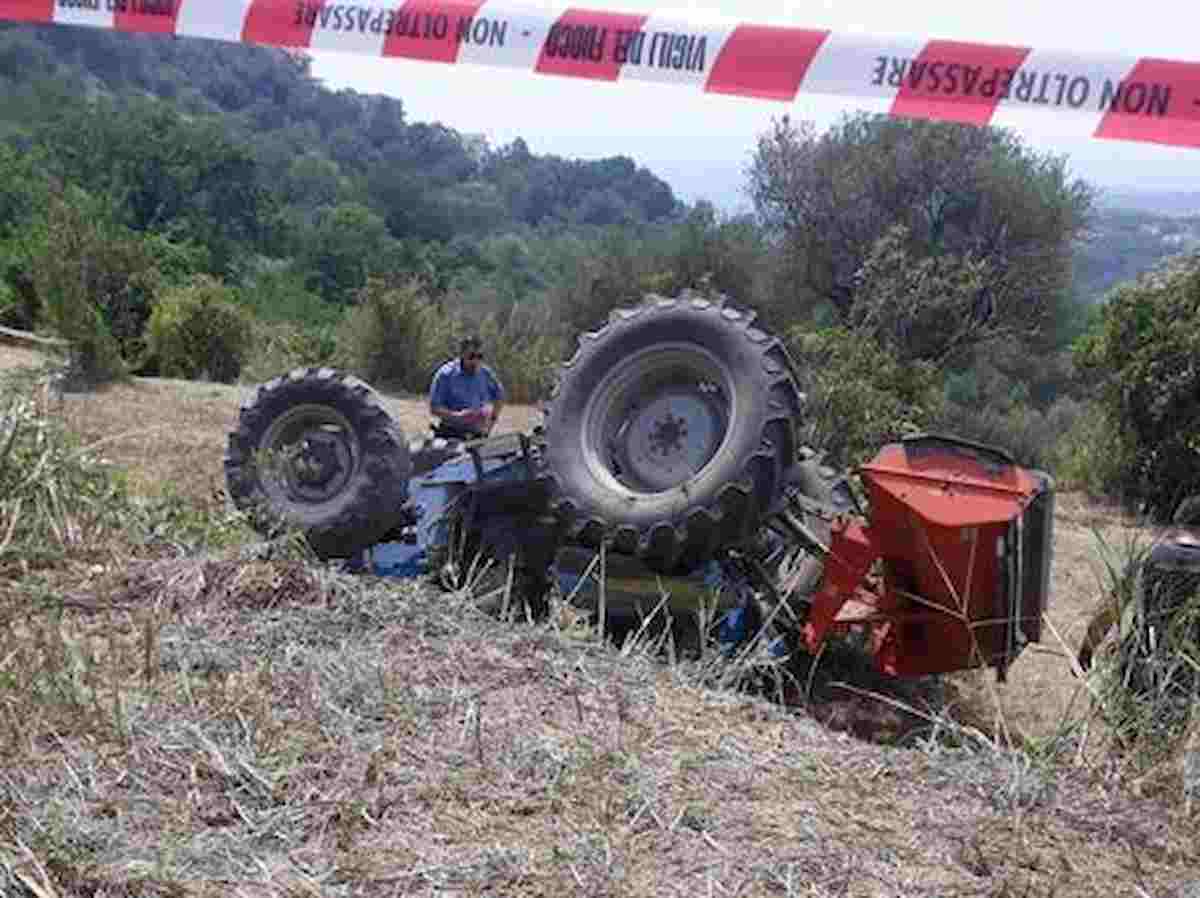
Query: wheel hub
(658, 419)
(311, 455)
(668, 434)
(317, 460)
(670, 440)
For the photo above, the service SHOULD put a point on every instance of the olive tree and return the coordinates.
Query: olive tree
(1141, 355)
(997, 219)
(97, 282)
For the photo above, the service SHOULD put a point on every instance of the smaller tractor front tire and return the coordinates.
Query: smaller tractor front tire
(316, 451)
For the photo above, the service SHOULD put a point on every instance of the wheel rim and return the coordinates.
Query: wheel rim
(312, 454)
(658, 419)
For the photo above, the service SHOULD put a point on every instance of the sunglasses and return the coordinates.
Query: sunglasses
(474, 355)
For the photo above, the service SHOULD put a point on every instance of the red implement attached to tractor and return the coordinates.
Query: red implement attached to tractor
(951, 569)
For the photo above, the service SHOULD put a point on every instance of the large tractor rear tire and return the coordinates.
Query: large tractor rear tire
(671, 430)
(315, 450)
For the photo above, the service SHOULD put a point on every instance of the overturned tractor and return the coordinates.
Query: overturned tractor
(671, 441)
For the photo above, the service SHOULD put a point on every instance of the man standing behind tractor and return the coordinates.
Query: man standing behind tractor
(466, 396)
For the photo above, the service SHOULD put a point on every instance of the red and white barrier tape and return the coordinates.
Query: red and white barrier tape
(1123, 98)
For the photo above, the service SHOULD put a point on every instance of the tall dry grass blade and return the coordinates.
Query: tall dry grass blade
(583, 578)
(602, 610)
(634, 638)
(11, 438)
(12, 524)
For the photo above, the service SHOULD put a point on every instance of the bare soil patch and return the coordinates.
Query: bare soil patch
(19, 357)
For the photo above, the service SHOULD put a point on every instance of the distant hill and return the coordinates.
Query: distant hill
(312, 145)
(434, 193)
(1125, 241)
(1158, 202)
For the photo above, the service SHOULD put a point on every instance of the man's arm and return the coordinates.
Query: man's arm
(437, 400)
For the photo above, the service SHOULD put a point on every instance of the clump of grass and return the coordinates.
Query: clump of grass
(62, 501)
(57, 497)
(1147, 681)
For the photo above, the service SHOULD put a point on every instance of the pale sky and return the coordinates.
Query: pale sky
(700, 143)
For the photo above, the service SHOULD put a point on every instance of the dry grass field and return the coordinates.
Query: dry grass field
(186, 722)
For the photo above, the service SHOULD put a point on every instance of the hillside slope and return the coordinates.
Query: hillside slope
(215, 724)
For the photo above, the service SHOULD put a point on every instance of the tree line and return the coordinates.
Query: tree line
(211, 210)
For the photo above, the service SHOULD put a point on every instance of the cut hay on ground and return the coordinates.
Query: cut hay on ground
(217, 726)
(367, 738)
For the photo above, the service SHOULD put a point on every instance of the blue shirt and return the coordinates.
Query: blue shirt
(454, 389)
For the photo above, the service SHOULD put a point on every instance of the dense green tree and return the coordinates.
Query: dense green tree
(593, 192)
(724, 252)
(96, 281)
(1142, 356)
(312, 182)
(975, 195)
(347, 245)
(922, 307)
(169, 174)
(24, 189)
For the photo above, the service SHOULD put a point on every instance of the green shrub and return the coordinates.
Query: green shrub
(280, 346)
(1033, 437)
(860, 396)
(94, 282)
(591, 277)
(1092, 455)
(1141, 354)
(276, 292)
(396, 336)
(20, 306)
(95, 278)
(198, 331)
(524, 351)
(10, 311)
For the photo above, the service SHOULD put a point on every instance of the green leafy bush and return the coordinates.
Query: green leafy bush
(591, 277)
(280, 346)
(860, 396)
(1091, 456)
(275, 291)
(96, 282)
(198, 331)
(396, 336)
(1032, 436)
(1142, 354)
(10, 311)
(524, 350)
